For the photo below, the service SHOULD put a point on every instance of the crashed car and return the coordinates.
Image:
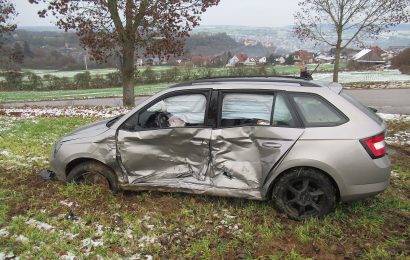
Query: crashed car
(303, 144)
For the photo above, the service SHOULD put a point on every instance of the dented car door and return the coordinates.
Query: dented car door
(255, 131)
(167, 142)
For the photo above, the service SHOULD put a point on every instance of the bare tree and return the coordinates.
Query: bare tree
(7, 12)
(127, 28)
(338, 23)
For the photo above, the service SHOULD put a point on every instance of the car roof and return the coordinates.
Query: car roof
(275, 82)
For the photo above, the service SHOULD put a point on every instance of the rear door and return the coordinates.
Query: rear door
(167, 142)
(254, 131)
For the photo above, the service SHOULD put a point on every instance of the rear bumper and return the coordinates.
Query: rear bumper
(373, 181)
(358, 192)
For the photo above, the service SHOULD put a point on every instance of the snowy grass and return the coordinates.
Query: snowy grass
(364, 76)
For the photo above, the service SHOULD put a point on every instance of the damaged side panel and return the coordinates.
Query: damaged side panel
(244, 156)
(165, 155)
(232, 162)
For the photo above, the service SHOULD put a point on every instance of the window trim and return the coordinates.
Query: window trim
(326, 102)
(274, 93)
(206, 92)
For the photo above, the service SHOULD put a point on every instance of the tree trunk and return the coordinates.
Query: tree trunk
(127, 72)
(337, 59)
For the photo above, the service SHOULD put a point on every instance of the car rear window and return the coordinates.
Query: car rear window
(316, 112)
(362, 107)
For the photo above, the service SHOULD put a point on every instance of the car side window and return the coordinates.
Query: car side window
(282, 117)
(186, 110)
(241, 109)
(316, 112)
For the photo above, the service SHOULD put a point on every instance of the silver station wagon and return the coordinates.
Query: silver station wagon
(305, 145)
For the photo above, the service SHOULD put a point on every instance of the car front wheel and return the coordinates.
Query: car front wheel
(93, 173)
(304, 193)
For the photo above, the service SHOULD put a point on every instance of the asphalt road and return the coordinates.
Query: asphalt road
(391, 101)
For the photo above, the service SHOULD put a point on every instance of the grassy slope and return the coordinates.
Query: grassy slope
(177, 225)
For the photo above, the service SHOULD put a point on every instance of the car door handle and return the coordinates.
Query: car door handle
(271, 145)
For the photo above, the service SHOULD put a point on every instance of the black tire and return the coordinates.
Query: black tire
(93, 173)
(304, 193)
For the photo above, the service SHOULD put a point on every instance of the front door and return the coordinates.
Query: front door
(167, 142)
(255, 131)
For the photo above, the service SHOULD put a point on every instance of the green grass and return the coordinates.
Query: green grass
(165, 225)
(16, 96)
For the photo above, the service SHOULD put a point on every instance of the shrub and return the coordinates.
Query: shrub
(14, 80)
(114, 79)
(171, 75)
(148, 76)
(56, 83)
(99, 82)
(33, 81)
(82, 80)
(402, 61)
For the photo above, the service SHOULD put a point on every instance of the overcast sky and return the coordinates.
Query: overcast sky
(269, 13)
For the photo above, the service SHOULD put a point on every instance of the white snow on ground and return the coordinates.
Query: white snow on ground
(389, 117)
(39, 224)
(401, 138)
(364, 76)
(4, 233)
(28, 112)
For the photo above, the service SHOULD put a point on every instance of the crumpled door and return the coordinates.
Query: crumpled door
(242, 157)
(165, 156)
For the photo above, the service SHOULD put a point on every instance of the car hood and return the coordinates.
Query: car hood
(88, 131)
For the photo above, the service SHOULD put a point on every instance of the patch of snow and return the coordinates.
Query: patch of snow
(147, 240)
(9, 255)
(29, 112)
(66, 203)
(5, 153)
(150, 226)
(141, 257)
(364, 76)
(398, 117)
(68, 256)
(39, 224)
(100, 230)
(4, 233)
(88, 243)
(401, 138)
(22, 238)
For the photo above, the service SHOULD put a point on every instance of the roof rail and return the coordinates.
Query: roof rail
(281, 79)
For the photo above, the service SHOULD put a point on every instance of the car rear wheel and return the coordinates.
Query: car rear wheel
(304, 193)
(93, 173)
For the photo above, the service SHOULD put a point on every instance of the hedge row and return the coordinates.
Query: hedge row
(15, 80)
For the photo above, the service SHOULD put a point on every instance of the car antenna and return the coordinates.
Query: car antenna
(313, 72)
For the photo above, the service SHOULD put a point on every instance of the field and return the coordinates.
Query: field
(391, 78)
(50, 220)
(365, 76)
(16, 96)
(279, 69)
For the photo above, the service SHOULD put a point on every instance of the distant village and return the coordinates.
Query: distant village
(367, 58)
(62, 51)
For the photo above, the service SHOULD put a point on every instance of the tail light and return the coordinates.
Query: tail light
(375, 146)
